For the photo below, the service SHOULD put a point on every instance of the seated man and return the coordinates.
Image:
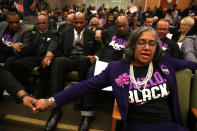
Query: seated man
(14, 38)
(77, 47)
(114, 41)
(40, 53)
(69, 23)
(168, 45)
(4, 11)
(148, 21)
(52, 23)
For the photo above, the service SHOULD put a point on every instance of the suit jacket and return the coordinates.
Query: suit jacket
(189, 48)
(66, 42)
(113, 71)
(50, 43)
(23, 35)
(172, 48)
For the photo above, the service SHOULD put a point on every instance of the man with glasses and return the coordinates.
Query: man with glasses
(14, 38)
(149, 21)
(39, 54)
(168, 45)
(68, 24)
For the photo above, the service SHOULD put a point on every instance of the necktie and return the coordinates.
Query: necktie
(78, 37)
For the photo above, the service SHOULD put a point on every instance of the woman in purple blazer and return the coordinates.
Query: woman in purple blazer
(144, 85)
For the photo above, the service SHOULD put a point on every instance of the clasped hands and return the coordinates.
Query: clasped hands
(37, 105)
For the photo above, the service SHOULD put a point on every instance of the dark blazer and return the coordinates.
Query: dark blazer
(172, 48)
(113, 71)
(66, 42)
(63, 27)
(50, 43)
(23, 35)
(176, 35)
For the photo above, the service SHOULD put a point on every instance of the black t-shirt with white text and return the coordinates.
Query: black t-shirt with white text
(149, 104)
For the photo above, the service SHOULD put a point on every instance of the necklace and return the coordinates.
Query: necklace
(147, 78)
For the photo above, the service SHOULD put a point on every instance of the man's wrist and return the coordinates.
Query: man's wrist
(24, 95)
(21, 45)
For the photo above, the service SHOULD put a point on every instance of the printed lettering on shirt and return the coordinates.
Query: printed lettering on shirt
(6, 39)
(117, 43)
(191, 13)
(156, 88)
(164, 46)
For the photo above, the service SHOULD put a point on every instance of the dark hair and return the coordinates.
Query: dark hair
(128, 55)
(12, 13)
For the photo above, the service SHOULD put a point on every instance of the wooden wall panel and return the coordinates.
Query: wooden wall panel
(182, 4)
(165, 5)
(152, 3)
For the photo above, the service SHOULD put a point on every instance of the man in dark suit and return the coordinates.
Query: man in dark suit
(77, 47)
(114, 41)
(69, 23)
(169, 46)
(14, 38)
(39, 54)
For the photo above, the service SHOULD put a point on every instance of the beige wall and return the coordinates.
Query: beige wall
(62, 3)
(107, 3)
(123, 4)
(182, 4)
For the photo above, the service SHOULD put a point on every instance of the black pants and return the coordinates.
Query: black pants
(63, 65)
(9, 83)
(24, 65)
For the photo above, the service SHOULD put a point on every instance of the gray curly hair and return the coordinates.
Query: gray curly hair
(128, 55)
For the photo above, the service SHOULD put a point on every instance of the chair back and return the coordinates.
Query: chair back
(184, 89)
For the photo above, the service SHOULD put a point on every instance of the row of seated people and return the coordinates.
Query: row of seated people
(75, 48)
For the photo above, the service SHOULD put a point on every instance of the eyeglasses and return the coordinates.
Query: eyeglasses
(142, 43)
(39, 23)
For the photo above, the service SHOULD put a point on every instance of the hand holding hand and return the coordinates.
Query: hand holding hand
(41, 105)
(16, 47)
(30, 102)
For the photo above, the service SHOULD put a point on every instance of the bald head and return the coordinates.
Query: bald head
(42, 22)
(79, 15)
(79, 21)
(122, 25)
(69, 19)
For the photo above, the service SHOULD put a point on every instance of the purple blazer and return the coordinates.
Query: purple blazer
(168, 66)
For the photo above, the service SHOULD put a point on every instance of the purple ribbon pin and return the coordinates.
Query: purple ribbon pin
(165, 70)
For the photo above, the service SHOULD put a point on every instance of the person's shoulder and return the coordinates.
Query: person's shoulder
(109, 32)
(118, 63)
(3, 23)
(68, 30)
(53, 32)
(25, 27)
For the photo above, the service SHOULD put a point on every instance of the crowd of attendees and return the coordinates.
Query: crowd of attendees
(75, 37)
